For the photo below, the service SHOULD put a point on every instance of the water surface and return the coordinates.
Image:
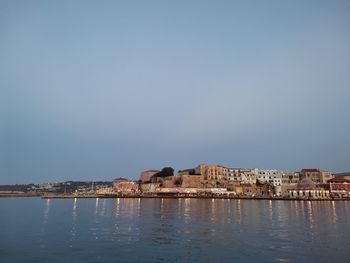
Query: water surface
(173, 230)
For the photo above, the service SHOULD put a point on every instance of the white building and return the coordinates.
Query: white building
(273, 177)
(240, 175)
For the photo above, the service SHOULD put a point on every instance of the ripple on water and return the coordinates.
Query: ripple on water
(171, 230)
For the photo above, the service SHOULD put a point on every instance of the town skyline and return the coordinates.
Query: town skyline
(136, 177)
(202, 181)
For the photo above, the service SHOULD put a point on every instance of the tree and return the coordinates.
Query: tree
(166, 171)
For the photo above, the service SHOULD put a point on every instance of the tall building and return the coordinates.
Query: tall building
(210, 171)
(273, 177)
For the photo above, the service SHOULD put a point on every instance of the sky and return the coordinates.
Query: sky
(94, 90)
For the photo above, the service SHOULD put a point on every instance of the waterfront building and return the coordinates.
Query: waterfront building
(146, 176)
(189, 178)
(316, 175)
(171, 181)
(290, 178)
(339, 186)
(246, 176)
(210, 171)
(307, 189)
(149, 187)
(105, 191)
(119, 180)
(232, 174)
(191, 181)
(273, 177)
(325, 176)
(343, 175)
(124, 186)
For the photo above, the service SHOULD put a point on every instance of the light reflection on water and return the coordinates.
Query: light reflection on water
(334, 212)
(73, 231)
(239, 212)
(46, 212)
(179, 229)
(310, 214)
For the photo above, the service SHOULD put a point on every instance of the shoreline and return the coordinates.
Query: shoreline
(94, 196)
(68, 196)
(20, 195)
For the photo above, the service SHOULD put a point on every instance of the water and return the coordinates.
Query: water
(173, 230)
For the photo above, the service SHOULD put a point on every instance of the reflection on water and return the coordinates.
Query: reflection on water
(96, 205)
(46, 212)
(42, 239)
(74, 222)
(75, 208)
(177, 230)
(117, 209)
(270, 209)
(186, 203)
(311, 214)
(239, 212)
(334, 212)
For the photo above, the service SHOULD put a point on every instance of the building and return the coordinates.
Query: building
(105, 191)
(210, 171)
(316, 175)
(246, 176)
(149, 187)
(273, 177)
(307, 189)
(343, 175)
(339, 186)
(119, 180)
(126, 188)
(191, 181)
(325, 176)
(146, 176)
(290, 178)
(171, 181)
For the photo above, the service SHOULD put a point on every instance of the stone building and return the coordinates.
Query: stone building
(210, 172)
(171, 181)
(146, 176)
(307, 189)
(212, 176)
(316, 175)
(191, 181)
(290, 178)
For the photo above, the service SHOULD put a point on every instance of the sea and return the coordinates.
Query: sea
(173, 230)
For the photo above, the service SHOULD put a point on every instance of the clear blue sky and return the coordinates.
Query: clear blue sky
(93, 90)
